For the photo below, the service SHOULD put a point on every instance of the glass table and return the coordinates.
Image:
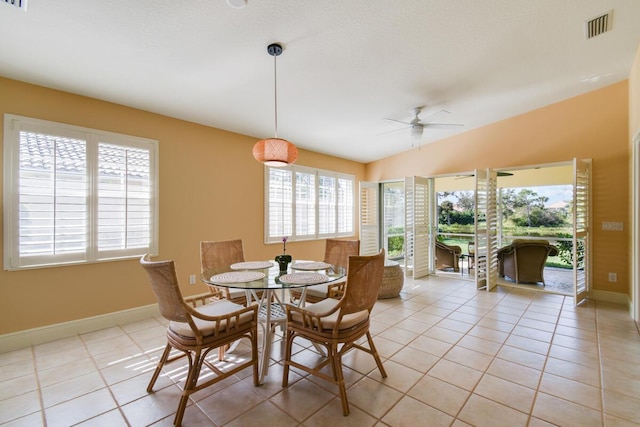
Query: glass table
(266, 286)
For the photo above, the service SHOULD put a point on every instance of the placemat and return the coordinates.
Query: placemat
(310, 266)
(237, 277)
(303, 278)
(251, 265)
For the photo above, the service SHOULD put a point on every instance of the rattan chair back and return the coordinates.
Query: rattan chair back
(216, 257)
(164, 282)
(337, 252)
(364, 278)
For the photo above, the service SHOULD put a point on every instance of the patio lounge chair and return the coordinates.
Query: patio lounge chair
(524, 260)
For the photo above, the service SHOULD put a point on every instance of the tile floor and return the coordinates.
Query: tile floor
(454, 357)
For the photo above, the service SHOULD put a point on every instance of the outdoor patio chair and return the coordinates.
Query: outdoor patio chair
(447, 257)
(523, 260)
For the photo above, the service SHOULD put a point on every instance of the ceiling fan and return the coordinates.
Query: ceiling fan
(417, 126)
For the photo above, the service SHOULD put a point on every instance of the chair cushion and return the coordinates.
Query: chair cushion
(322, 290)
(206, 327)
(237, 293)
(329, 322)
(318, 291)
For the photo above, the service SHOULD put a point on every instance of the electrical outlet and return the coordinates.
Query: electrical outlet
(192, 279)
(613, 226)
(613, 277)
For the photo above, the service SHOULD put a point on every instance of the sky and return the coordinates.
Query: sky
(555, 193)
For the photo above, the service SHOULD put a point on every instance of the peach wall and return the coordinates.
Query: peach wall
(211, 188)
(634, 96)
(591, 126)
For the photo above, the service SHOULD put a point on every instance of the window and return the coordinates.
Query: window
(304, 203)
(76, 195)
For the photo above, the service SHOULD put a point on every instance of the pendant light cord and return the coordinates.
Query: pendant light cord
(275, 91)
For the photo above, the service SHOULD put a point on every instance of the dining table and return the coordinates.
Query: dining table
(266, 285)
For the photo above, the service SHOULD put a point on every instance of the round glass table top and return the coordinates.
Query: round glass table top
(269, 278)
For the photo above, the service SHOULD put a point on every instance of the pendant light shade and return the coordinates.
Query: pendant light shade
(275, 151)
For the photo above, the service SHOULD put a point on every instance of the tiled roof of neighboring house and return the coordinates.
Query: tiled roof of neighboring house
(558, 205)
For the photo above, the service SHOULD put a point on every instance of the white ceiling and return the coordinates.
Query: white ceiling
(347, 64)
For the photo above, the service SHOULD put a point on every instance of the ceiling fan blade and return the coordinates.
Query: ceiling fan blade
(472, 175)
(399, 121)
(432, 115)
(393, 131)
(442, 125)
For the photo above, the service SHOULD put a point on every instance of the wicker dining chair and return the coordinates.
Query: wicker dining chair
(194, 332)
(336, 252)
(215, 258)
(337, 325)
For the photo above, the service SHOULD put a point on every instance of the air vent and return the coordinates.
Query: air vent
(20, 4)
(598, 25)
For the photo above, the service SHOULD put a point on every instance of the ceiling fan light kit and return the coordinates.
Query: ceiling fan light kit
(275, 151)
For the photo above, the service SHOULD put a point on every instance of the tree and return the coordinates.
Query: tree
(539, 217)
(446, 208)
(526, 200)
(508, 198)
(465, 200)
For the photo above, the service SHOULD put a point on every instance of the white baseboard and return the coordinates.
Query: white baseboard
(26, 338)
(614, 297)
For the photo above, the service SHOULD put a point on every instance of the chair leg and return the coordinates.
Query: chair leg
(161, 362)
(336, 366)
(376, 356)
(287, 357)
(255, 357)
(189, 385)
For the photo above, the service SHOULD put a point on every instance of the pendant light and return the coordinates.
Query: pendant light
(275, 151)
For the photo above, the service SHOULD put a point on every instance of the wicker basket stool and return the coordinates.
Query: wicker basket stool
(392, 280)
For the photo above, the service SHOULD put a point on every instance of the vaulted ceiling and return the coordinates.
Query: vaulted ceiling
(346, 66)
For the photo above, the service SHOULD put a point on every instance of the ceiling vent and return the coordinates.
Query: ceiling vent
(20, 4)
(598, 25)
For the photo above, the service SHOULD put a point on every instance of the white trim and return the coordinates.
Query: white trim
(635, 229)
(26, 338)
(613, 297)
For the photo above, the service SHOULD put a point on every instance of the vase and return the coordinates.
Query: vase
(283, 262)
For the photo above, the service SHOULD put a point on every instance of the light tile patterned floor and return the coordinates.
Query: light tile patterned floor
(455, 357)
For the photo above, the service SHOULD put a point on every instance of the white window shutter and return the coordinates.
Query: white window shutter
(369, 222)
(124, 198)
(52, 189)
(305, 205)
(280, 202)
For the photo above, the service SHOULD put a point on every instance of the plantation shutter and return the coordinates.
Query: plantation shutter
(124, 198)
(369, 223)
(581, 228)
(51, 207)
(486, 226)
(408, 225)
(345, 206)
(305, 205)
(423, 190)
(280, 203)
